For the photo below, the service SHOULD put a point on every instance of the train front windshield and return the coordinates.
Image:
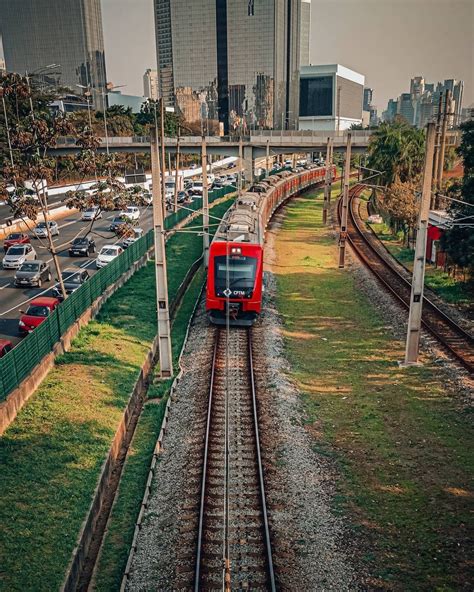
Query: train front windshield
(234, 277)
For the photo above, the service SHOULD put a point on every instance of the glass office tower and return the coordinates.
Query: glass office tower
(37, 33)
(235, 61)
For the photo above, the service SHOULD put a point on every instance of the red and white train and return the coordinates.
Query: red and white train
(234, 280)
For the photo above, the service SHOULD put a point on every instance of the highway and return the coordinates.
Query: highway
(13, 299)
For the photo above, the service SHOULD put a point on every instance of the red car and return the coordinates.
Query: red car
(5, 347)
(15, 238)
(39, 309)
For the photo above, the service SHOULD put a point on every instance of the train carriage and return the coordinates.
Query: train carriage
(235, 272)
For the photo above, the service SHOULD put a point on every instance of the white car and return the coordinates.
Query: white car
(17, 255)
(132, 213)
(90, 214)
(41, 230)
(107, 254)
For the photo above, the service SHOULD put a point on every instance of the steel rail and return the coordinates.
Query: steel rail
(197, 572)
(432, 315)
(227, 461)
(270, 569)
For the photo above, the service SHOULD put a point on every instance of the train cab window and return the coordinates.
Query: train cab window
(236, 274)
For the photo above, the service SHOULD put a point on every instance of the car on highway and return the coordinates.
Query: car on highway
(116, 222)
(182, 196)
(91, 214)
(5, 346)
(82, 246)
(17, 255)
(131, 212)
(15, 238)
(107, 254)
(37, 312)
(42, 232)
(72, 280)
(196, 188)
(132, 236)
(33, 273)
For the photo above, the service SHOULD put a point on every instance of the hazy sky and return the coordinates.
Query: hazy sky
(389, 41)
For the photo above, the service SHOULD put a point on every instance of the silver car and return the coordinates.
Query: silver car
(41, 231)
(17, 255)
(90, 214)
(33, 273)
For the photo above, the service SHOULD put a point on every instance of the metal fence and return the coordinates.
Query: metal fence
(17, 364)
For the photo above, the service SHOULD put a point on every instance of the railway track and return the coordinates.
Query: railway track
(455, 339)
(233, 544)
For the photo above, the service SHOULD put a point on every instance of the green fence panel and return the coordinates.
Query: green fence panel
(8, 377)
(44, 339)
(26, 356)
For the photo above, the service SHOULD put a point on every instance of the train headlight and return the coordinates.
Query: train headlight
(236, 251)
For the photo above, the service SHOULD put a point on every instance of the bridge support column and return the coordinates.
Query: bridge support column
(249, 164)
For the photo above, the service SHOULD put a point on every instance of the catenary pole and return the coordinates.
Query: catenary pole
(345, 203)
(163, 158)
(241, 164)
(331, 162)
(177, 170)
(267, 158)
(326, 184)
(164, 333)
(442, 148)
(205, 203)
(437, 146)
(417, 285)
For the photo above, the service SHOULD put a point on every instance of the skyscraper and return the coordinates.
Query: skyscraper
(230, 60)
(38, 33)
(150, 84)
(305, 32)
(368, 96)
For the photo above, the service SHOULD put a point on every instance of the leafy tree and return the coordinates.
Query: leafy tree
(32, 129)
(458, 241)
(397, 150)
(400, 203)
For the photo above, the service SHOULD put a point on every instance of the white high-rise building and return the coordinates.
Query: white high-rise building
(150, 84)
(305, 32)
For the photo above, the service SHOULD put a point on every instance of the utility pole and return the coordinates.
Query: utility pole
(418, 281)
(331, 161)
(338, 109)
(177, 170)
(205, 204)
(164, 332)
(345, 203)
(437, 145)
(326, 184)
(442, 149)
(163, 159)
(241, 163)
(267, 158)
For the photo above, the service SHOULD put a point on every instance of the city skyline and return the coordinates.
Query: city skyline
(128, 55)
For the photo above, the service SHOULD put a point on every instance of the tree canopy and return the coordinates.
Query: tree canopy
(397, 150)
(458, 241)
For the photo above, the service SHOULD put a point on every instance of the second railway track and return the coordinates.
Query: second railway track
(455, 339)
(233, 546)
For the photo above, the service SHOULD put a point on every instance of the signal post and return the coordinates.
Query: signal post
(345, 203)
(164, 333)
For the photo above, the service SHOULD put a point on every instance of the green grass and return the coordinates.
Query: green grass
(51, 456)
(450, 289)
(401, 441)
(135, 473)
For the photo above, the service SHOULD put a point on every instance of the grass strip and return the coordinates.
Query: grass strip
(51, 456)
(125, 511)
(402, 443)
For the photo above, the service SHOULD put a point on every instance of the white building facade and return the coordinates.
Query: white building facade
(331, 98)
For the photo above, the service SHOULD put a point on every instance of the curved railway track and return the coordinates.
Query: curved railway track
(233, 546)
(455, 339)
